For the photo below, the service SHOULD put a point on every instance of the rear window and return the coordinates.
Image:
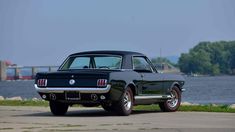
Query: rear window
(108, 62)
(92, 62)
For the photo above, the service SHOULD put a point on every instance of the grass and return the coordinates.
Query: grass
(23, 103)
(208, 108)
(198, 108)
(189, 108)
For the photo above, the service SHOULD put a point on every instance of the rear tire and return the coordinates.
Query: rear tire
(58, 108)
(108, 107)
(90, 105)
(125, 104)
(173, 104)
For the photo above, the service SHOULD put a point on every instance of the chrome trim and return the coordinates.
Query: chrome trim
(45, 82)
(72, 81)
(80, 89)
(153, 97)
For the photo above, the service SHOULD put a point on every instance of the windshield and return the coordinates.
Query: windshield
(92, 62)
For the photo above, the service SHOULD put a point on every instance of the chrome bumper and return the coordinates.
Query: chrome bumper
(81, 90)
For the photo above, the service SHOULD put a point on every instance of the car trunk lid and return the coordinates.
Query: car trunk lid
(78, 78)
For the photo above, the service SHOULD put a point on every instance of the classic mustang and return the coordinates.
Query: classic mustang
(116, 80)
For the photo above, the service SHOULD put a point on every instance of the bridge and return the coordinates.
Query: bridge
(22, 72)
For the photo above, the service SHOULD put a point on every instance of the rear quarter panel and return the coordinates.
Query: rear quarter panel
(120, 80)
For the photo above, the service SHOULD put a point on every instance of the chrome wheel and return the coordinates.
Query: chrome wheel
(125, 104)
(127, 101)
(173, 102)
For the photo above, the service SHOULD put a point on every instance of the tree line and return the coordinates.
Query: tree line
(210, 58)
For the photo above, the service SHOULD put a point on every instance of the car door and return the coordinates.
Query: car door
(152, 82)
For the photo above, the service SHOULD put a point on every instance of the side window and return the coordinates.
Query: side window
(141, 65)
(80, 63)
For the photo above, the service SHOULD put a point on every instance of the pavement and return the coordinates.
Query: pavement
(39, 119)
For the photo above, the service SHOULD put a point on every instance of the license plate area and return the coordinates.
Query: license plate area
(72, 95)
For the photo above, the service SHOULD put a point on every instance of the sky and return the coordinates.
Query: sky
(45, 32)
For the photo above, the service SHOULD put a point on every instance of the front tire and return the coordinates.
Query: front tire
(172, 104)
(125, 104)
(58, 108)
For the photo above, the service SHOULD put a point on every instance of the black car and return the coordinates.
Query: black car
(116, 80)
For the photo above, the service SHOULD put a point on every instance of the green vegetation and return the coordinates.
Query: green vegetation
(199, 108)
(208, 108)
(211, 58)
(160, 60)
(23, 103)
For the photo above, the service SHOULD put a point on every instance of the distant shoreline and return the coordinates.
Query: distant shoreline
(187, 75)
(199, 90)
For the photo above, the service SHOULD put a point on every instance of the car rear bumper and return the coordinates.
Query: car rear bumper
(80, 90)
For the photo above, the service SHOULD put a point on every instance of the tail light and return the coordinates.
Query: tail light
(101, 82)
(42, 82)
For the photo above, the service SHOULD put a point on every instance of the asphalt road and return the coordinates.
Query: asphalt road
(39, 119)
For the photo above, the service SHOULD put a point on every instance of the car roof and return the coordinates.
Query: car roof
(115, 52)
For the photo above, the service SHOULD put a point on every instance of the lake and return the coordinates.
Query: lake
(202, 90)
(215, 89)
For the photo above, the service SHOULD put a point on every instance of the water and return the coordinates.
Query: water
(202, 90)
(25, 89)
